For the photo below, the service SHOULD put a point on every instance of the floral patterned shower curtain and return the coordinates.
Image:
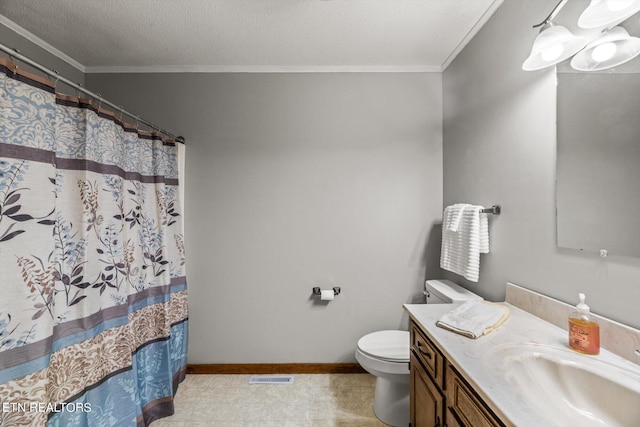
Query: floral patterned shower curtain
(93, 304)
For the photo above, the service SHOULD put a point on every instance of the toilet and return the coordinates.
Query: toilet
(385, 354)
(445, 291)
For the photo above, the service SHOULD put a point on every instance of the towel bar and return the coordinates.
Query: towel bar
(495, 209)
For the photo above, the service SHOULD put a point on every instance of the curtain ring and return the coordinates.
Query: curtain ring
(15, 61)
(99, 101)
(55, 82)
(121, 111)
(78, 91)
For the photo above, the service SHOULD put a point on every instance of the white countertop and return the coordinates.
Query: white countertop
(473, 357)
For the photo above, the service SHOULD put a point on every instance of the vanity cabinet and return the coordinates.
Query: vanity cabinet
(440, 396)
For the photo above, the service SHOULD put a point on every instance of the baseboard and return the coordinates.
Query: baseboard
(276, 368)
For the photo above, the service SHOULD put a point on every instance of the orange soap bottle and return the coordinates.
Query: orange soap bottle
(584, 331)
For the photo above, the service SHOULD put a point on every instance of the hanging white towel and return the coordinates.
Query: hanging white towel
(474, 318)
(452, 215)
(484, 231)
(461, 249)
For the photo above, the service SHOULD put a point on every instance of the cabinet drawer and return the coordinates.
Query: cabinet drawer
(466, 406)
(428, 355)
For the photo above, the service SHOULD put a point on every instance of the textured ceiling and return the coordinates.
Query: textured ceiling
(251, 35)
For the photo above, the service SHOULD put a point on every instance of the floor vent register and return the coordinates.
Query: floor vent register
(271, 379)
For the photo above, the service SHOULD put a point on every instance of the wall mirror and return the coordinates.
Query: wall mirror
(598, 162)
(598, 157)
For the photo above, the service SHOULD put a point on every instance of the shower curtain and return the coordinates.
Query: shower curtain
(93, 302)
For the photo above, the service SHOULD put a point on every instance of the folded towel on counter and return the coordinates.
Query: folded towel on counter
(460, 250)
(474, 318)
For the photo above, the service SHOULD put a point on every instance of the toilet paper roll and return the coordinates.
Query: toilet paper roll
(327, 295)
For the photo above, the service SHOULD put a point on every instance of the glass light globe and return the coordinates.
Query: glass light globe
(614, 47)
(605, 13)
(554, 44)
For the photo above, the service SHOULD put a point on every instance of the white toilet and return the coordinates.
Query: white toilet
(445, 291)
(385, 354)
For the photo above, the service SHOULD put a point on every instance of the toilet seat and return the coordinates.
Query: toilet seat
(389, 346)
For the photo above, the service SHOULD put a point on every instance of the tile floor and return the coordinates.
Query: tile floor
(340, 400)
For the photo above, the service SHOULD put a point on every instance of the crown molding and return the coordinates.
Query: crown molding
(472, 32)
(255, 69)
(41, 43)
(267, 69)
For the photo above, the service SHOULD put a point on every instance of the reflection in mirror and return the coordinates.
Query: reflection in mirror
(598, 162)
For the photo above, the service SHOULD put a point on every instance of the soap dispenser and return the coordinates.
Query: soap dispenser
(584, 331)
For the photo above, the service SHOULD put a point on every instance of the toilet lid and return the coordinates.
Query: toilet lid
(392, 346)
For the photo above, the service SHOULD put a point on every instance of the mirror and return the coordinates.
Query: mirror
(598, 153)
(598, 162)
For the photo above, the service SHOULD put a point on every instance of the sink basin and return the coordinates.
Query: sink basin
(572, 389)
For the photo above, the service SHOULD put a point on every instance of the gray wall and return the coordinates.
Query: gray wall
(11, 39)
(321, 179)
(295, 181)
(500, 147)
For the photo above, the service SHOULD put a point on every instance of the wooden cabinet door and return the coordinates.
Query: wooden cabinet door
(467, 406)
(427, 402)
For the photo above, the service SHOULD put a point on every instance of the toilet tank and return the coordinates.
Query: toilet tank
(443, 291)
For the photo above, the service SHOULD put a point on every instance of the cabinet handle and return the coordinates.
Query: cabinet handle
(423, 351)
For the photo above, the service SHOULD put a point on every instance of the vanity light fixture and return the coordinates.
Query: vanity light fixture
(554, 44)
(613, 48)
(605, 13)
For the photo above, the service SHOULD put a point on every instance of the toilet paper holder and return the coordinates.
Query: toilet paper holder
(316, 290)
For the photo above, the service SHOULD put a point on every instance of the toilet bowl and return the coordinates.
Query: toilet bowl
(385, 354)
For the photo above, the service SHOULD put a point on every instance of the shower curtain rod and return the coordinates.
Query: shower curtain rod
(15, 53)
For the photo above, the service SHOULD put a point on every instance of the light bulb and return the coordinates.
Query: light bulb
(552, 53)
(603, 52)
(617, 5)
